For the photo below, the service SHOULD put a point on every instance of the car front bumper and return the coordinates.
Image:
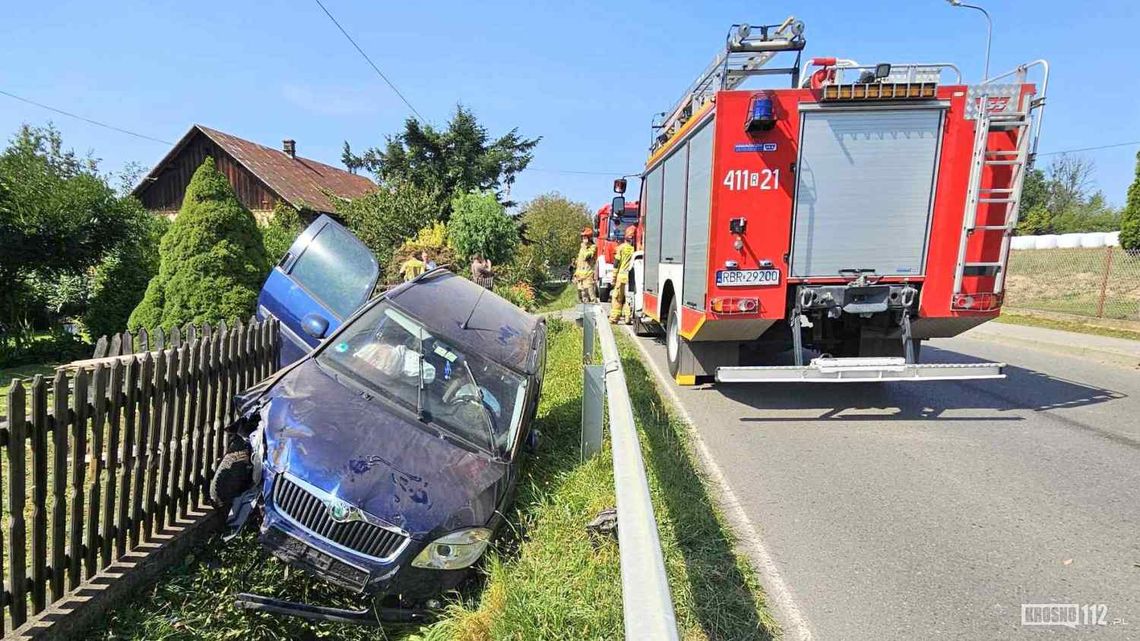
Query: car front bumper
(341, 566)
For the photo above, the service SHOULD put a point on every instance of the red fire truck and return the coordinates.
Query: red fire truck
(609, 231)
(820, 232)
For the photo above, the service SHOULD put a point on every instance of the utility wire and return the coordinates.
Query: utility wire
(573, 171)
(1073, 151)
(369, 60)
(84, 119)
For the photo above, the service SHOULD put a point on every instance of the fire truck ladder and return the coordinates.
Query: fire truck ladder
(747, 49)
(1006, 194)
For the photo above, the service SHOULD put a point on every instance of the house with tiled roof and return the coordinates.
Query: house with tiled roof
(260, 176)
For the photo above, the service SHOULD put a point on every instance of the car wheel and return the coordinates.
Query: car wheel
(673, 339)
(233, 476)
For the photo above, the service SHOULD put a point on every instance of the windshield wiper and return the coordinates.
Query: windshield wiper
(420, 387)
(483, 408)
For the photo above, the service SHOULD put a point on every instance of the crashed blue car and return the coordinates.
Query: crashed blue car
(383, 459)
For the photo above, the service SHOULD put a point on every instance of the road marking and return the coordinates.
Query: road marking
(791, 619)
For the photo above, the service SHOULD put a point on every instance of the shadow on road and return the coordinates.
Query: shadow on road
(1022, 389)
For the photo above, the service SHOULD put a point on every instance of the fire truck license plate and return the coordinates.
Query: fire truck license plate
(747, 277)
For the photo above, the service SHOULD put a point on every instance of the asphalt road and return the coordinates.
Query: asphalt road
(935, 510)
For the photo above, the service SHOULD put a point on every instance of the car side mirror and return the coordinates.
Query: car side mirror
(532, 439)
(617, 207)
(315, 325)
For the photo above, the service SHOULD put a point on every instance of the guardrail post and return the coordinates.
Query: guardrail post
(593, 399)
(587, 333)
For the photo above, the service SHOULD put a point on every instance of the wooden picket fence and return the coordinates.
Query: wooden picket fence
(102, 456)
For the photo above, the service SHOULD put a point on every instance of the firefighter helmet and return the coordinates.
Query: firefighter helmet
(587, 233)
(631, 232)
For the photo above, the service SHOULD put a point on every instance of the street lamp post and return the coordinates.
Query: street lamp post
(989, 30)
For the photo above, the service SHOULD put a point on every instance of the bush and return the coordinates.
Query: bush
(212, 261)
(282, 229)
(1130, 219)
(524, 267)
(519, 294)
(386, 218)
(118, 283)
(479, 225)
(433, 240)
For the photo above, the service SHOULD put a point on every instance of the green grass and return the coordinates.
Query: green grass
(545, 579)
(1069, 281)
(1067, 325)
(20, 371)
(552, 298)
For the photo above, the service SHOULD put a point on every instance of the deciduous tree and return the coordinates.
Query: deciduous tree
(553, 226)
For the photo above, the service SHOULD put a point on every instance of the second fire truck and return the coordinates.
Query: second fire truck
(609, 231)
(835, 224)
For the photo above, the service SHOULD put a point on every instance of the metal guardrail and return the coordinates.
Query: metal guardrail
(647, 603)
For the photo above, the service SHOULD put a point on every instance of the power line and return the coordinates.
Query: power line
(372, 64)
(1073, 151)
(573, 171)
(84, 119)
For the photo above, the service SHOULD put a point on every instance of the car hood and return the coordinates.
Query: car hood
(331, 436)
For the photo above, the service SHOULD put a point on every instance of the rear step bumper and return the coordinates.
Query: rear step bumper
(859, 370)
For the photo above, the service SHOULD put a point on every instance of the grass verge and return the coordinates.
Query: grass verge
(1067, 325)
(545, 579)
(552, 298)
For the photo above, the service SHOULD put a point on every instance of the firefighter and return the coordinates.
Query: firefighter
(584, 276)
(623, 260)
(413, 267)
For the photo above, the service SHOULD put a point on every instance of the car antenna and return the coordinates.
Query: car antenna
(473, 308)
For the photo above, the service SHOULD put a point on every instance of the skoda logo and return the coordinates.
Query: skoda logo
(339, 511)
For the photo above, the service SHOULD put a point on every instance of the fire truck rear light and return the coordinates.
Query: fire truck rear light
(733, 305)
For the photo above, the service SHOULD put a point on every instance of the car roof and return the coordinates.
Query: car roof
(462, 312)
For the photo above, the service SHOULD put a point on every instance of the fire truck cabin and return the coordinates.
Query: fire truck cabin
(851, 216)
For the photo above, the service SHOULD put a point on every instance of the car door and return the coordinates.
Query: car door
(326, 275)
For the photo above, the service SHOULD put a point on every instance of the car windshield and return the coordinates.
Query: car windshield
(466, 394)
(617, 229)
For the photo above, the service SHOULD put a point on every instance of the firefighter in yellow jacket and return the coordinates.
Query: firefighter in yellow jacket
(623, 261)
(584, 276)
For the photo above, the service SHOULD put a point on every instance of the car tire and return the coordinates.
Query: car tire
(673, 339)
(233, 476)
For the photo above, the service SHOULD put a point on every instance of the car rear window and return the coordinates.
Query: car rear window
(336, 269)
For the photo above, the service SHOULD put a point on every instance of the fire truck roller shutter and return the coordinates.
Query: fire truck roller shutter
(697, 217)
(673, 207)
(652, 200)
(865, 184)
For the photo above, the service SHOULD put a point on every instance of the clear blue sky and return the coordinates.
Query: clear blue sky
(586, 76)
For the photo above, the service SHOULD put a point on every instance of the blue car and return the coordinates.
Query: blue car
(383, 454)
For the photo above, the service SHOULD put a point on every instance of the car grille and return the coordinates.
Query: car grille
(309, 511)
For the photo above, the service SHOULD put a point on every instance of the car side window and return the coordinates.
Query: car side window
(336, 270)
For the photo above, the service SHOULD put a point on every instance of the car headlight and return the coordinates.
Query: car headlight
(454, 551)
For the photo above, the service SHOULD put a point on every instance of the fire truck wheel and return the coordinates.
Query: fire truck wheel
(673, 339)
